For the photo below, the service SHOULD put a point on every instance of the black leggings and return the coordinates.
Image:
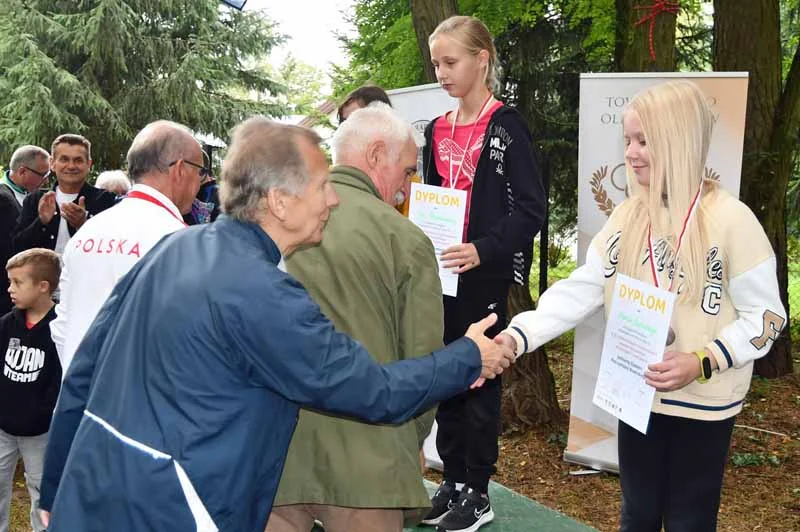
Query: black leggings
(673, 475)
(469, 423)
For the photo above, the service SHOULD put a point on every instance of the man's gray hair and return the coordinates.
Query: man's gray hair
(27, 156)
(156, 146)
(112, 180)
(263, 155)
(375, 122)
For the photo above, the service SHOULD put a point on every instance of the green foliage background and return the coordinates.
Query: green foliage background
(105, 68)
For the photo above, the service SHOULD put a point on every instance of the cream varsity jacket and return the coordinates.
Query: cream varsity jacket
(737, 320)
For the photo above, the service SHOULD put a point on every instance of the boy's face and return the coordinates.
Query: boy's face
(24, 290)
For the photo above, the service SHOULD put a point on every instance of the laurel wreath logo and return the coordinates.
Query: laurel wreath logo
(601, 198)
(711, 174)
(604, 203)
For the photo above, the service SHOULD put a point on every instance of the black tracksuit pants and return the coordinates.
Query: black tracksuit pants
(469, 423)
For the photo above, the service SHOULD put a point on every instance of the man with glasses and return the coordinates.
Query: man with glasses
(28, 168)
(206, 205)
(166, 166)
(49, 218)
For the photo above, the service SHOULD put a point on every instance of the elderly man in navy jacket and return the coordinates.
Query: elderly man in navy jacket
(179, 406)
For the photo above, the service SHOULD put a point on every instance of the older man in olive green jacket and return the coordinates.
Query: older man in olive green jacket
(375, 276)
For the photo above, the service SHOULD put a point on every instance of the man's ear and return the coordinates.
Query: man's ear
(174, 172)
(375, 152)
(276, 201)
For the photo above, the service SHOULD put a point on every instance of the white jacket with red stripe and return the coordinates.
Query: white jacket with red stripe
(737, 320)
(99, 254)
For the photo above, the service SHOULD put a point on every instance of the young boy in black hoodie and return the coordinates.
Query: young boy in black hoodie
(31, 376)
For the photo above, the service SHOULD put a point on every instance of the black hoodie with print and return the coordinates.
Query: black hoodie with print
(31, 376)
(508, 202)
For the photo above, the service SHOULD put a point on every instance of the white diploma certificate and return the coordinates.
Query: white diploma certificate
(636, 333)
(440, 212)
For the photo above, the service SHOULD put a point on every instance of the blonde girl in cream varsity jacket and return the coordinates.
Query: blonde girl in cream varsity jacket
(727, 310)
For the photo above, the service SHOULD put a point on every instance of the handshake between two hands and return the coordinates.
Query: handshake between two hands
(497, 354)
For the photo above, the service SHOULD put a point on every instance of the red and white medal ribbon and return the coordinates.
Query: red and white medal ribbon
(650, 247)
(454, 179)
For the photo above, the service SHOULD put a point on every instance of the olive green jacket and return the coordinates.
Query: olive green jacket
(376, 277)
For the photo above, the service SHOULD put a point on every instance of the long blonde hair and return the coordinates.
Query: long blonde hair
(474, 36)
(677, 122)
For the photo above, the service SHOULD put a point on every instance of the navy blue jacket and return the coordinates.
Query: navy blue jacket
(178, 409)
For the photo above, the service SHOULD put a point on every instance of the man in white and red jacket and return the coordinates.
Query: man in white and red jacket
(166, 165)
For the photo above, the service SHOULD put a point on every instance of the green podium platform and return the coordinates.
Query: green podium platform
(517, 513)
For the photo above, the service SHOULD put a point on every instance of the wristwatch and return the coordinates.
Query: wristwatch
(705, 367)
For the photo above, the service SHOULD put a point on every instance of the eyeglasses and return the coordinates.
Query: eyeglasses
(42, 175)
(203, 171)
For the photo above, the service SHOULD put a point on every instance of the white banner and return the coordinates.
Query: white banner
(601, 184)
(421, 104)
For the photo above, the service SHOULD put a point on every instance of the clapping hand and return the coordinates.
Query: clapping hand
(75, 213)
(47, 207)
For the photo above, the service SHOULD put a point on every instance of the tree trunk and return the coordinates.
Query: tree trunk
(632, 50)
(426, 15)
(771, 127)
(529, 397)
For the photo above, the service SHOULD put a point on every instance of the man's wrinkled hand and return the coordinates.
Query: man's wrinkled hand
(494, 357)
(45, 517)
(504, 340)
